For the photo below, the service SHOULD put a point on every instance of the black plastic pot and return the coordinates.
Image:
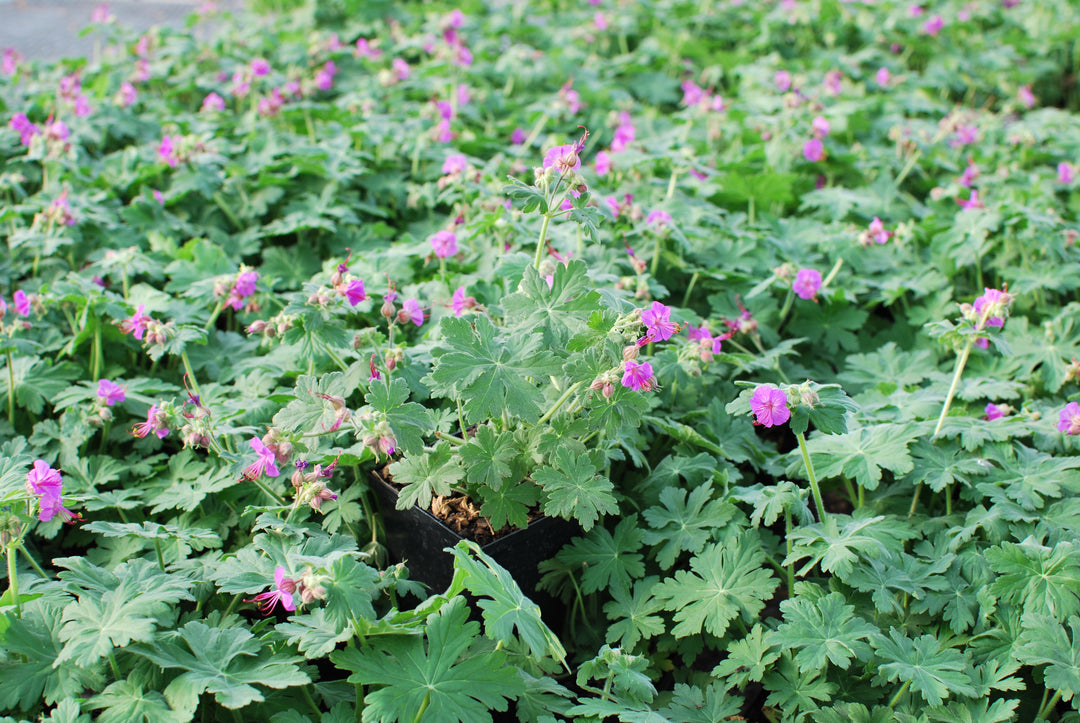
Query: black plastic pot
(418, 538)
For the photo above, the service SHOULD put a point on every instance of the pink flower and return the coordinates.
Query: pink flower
(136, 325)
(518, 136)
(876, 232)
(22, 303)
(813, 150)
(400, 69)
(1069, 419)
(460, 302)
(282, 593)
(782, 79)
(127, 95)
(965, 135)
(168, 152)
(444, 243)
(993, 303)
(260, 67)
(47, 484)
(806, 284)
(446, 109)
(563, 158)
(264, 464)
(1065, 174)
(934, 25)
(364, 49)
(834, 82)
(820, 127)
(624, 133)
(213, 103)
(638, 377)
(972, 203)
(159, 197)
(455, 163)
(243, 288)
(693, 94)
(1026, 97)
(324, 79)
(156, 422)
(10, 63)
(658, 323)
(769, 404)
(883, 77)
(600, 21)
(110, 392)
(658, 218)
(354, 292)
(411, 311)
(993, 412)
(603, 163)
(22, 125)
(970, 174)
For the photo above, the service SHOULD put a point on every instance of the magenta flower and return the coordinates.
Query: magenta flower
(159, 197)
(883, 76)
(1069, 419)
(110, 392)
(603, 163)
(782, 79)
(411, 311)
(600, 21)
(992, 302)
(127, 95)
(46, 484)
(455, 163)
(10, 63)
(264, 464)
(834, 80)
(624, 133)
(934, 25)
(693, 94)
(658, 218)
(100, 14)
(364, 49)
(973, 202)
(876, 232)
(820, 127)
(813, 150)
(136, 325)
(806, 284)
(444, 243)
(21, 124)
(769, 404)
(213, 103)
(400, 68)
(282, 593)
(460, 302)
(970, 174)
(564, 158)
(168, 152)
(638, 377)
(1065, 174)
(965, 135)
(518, 136)
(993, 411)
(658, 323)
(1026, 97)
(260, 67)
(156, 422)
(354, 292)
(21, 302)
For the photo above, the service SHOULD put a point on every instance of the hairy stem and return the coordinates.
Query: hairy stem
(13, 580)
(541, 241)
(559, 402)
(811, 476)
(896, 698)
(790, 566)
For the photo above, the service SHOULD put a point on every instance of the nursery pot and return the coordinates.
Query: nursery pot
(418, 538)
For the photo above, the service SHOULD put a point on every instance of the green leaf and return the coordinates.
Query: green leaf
(505, 608)
(559, 311)
(823, 630)
(725, 580)
(748, 659)
(933, 672)
(574, 490)
(1045, 641)
(683, 525)
(434, 672)
(634, 614)
(623, 673)
(939, 466)
(315, 636)
(125, 701)
(408, 420)
(793, 691)
(491, 374)
(487, 456)
(1030, 477)
(838, 543)
(1039, 579)
(434, 472)
(862, 453)
(351, 587)
(692, 704)
(309, 412)
(227, 662)
(509, 504)
(606, 560)
(115, 608)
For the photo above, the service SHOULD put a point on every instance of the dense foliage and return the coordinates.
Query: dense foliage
(773, 300)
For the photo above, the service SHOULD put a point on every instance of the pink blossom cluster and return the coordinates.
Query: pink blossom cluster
(46, 484)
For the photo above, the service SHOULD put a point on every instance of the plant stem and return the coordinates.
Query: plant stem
(790, 566)
(191, 375)
(113, 665)
(689, 288)
(214, 315)
(896, 698)
(1045, 710)
(833, 272)
(160, 557)
(671, 184)
(785, 308)
(11, 389)
(269, 492)
(559, 402)
(656, 254)
(812, 477)
(540, 242)
(33, 563)
(423, 708)
(13, 579)
(96, 354)
(310, 701)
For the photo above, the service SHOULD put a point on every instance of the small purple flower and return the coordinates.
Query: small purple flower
(992, 303)
(693, 94)
(21, 124)
(411, 311)
(563, 158)
(46, 484)
(22, 303)
(1026, 97)
(110, 392)
(260, 67)
(156, 422)
(813, 150)
(965, 135)
(993, 411)
(400, 68)
(10, 63)
(168, 152)
(882, 77)
(624, 133)
(638, 377)
(806, 284)
(658, 218)
(820, 127)
(834, 82)
(769, 404)
(1069, 419)
(264, 464)
(603, 163)
(970, 174)
(460, 302)
(136, 325)
(282, 593)
(455, 163)
(782, 79)
(354, 292)
(444, 243)
(213, 103)
(518, 136)
(1065, 174)
(658, 323)
(934, 25)
(127, 95)
(324, 79)
(972, 203)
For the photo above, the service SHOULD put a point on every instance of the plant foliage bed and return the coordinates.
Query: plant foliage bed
(776, 301)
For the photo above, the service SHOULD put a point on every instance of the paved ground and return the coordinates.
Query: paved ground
(49, 29)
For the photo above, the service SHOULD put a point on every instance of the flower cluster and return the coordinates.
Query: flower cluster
(46, 484)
